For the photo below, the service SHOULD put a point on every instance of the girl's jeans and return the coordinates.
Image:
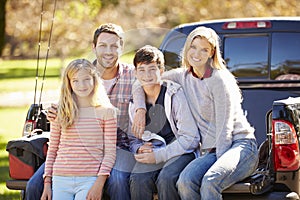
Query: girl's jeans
(216, 175)
(73, 187)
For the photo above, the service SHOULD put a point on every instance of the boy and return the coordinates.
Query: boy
(168, 115)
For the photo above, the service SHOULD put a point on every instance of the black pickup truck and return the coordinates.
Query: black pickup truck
(264, 55)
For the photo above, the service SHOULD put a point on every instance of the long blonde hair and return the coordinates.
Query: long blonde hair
(217, 61)
(68, 108)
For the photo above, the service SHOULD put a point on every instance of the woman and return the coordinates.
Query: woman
(227, 139)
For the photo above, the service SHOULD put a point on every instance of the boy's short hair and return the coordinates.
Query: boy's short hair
(148, 54)
(109, 28)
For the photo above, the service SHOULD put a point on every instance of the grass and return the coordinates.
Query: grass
(17, 76)
(11, 129)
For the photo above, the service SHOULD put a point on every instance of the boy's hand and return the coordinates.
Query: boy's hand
(147, 147)
(147, 158)
(52, 112)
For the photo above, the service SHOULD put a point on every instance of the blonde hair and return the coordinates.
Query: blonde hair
(68, 108)
(217, 61)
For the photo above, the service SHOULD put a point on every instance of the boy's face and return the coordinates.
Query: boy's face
(148, 74)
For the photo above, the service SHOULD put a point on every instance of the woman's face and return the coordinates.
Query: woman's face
(199, 52)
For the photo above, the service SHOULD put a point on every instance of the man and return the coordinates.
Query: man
(117, 78)
(171, 135)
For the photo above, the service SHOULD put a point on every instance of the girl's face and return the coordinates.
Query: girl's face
(199, 53)
(82, 83)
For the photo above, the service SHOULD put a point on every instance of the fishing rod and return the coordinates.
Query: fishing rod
(38, 53)
(33, 118)
(48, 49)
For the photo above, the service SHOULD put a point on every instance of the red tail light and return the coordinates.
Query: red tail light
(247, 25)
(286, 146)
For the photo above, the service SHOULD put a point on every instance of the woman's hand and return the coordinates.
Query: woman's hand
(139, 123)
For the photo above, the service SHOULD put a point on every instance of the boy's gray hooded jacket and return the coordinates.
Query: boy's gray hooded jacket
(182, 124)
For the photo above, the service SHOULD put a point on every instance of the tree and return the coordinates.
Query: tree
(2, 25)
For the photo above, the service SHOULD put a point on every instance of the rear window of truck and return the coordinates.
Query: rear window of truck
(247, 57)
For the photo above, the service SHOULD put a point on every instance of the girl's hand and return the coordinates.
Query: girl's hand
(96, 191)
(47, 193)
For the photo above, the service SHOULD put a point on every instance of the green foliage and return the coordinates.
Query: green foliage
(75, 20)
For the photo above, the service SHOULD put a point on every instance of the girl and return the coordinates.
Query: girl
(82, 147)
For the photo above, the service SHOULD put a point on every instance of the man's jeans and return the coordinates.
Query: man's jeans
(147, 179)
(117, 185)
(217, 175)
(35, 185)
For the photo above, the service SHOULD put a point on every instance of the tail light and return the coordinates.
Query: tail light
(28, 127)
(30, 122)
(247, 25)
(286, 146)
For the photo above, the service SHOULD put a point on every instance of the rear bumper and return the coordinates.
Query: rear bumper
(268, 196)
(16, 184)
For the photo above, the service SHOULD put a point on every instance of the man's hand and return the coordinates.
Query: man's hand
(52, 112)
(139, 123)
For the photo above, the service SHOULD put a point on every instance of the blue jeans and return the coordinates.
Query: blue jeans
(147, 179)
(216, 175)
(71, 188)
(35, 185)
(117, 185)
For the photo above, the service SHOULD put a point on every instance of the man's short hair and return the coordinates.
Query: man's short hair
(109, 28)
(148, 54)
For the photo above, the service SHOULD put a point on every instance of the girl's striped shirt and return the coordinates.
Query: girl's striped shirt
(87, 148)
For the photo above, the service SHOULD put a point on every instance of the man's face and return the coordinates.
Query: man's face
(148, 74)
(108, 50)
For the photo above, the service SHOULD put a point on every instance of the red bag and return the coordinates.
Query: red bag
(26, 155)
